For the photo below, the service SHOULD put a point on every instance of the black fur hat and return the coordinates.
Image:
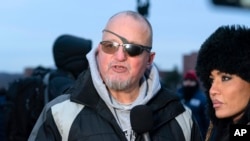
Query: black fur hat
(227, 50)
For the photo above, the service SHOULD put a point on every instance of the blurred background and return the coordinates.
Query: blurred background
(29, 28)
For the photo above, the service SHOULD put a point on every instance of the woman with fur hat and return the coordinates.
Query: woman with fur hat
(223, 66)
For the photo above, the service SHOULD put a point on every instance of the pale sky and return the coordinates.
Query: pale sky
(28, 28)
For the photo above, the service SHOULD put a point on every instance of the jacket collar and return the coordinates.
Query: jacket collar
(84, 91)
(89, 97)
(165, 105)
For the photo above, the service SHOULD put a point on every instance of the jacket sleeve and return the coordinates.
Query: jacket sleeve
(189, 126)
(45, 128)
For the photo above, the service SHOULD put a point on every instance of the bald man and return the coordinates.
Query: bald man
(121, 76)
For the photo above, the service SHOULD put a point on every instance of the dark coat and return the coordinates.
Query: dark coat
(89, 118)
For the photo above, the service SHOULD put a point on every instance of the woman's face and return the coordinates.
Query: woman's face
(230, 95)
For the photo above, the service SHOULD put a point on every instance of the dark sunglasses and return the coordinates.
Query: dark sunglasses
(131, 49)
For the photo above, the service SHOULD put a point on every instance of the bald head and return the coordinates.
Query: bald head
(131, 21)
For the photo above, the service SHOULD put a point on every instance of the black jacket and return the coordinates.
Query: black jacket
(84, 116)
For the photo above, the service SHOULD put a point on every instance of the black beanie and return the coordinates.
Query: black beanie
(227, 50)
(70, 53)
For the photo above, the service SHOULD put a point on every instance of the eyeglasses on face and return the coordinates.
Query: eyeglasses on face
(131, 49)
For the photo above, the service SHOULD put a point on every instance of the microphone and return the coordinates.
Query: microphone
(141, 118)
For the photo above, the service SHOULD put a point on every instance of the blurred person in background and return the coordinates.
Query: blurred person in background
(29, 95)
(69, 53)
(193, 96)
(3, 113)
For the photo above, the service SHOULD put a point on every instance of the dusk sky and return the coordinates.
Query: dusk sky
(28, 28)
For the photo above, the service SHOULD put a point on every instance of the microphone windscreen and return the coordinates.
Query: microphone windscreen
(141, 118)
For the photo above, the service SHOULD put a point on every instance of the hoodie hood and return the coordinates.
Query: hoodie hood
(150, 84)
(69, 53)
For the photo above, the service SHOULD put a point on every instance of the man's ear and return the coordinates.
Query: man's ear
(151, 58)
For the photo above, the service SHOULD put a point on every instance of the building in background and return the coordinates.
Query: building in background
(189, 61)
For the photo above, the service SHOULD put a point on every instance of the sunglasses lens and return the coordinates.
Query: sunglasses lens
(108, 47)
(133, 50)
(111, 47)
